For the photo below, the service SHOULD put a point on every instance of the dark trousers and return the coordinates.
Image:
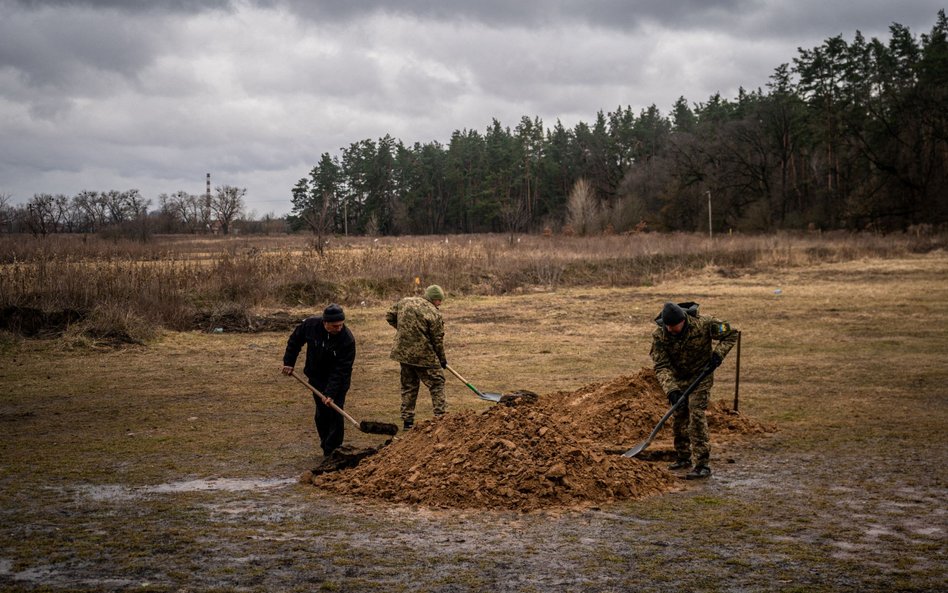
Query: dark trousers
(330, 425)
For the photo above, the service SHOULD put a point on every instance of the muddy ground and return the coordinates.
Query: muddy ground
(173, 467)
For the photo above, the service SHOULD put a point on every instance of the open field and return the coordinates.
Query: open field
(171, 466)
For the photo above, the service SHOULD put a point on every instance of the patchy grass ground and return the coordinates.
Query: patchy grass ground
(170, 467)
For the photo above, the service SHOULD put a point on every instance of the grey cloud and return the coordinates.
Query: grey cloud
(742, 18)
(65, 52)
(180, 6)
(526, 13)
(824, 19)
(746, 18)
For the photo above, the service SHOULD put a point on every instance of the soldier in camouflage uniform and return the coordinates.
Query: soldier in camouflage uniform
(681, 348)
(419, 347)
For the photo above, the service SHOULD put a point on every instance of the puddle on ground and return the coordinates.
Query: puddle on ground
(115, 492)
(228, 484)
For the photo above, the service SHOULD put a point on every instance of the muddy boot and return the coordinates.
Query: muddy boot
(698, 473)
(408, 424)
(681, 464)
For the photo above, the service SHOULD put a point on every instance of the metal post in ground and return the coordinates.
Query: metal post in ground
(737, 372)
(710, 233)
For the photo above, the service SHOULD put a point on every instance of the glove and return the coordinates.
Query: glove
(444, 363)
(715, 361)
(673, 396)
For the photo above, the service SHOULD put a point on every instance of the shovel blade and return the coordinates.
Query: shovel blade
(684, 397)
(377, 427)
(636, 449)
(491, 397)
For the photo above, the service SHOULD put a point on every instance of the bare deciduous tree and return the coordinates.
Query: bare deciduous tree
(138, 214)
(582, 212)
(227, 205)
(90, 210)
(41, 215)
(6, 211)
(516, 215)
(186, 209)
(115, 203)
(320, 220)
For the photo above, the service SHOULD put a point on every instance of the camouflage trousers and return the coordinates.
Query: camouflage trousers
(691, 428)
(412, 377)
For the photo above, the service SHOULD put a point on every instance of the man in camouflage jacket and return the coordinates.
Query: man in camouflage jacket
(419, 348)
(682, 346)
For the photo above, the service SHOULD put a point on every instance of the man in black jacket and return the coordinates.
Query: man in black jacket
(330, 354)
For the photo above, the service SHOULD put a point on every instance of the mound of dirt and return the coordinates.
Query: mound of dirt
(724, 421)
(624, 410)
(529, 454)
(506, 457)
(618, 412)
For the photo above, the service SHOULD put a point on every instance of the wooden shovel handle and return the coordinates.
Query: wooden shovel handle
(463, 380)
(332, 404)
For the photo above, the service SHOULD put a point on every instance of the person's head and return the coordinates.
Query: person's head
(435, 294)
(334, 319)
(673, 318)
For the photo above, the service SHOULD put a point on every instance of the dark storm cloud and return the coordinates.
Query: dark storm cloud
(740, 18)
(749, 18)
(184, 6)
(49, 51)
(526, 13)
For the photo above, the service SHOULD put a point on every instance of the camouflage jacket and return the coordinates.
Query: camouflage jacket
(419, 339)
(679, 359)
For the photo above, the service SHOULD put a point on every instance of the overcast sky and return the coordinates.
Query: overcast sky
(152, 95)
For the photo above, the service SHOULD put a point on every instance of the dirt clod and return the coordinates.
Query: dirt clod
(342, 458)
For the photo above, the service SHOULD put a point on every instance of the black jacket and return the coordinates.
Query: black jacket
(329, 359)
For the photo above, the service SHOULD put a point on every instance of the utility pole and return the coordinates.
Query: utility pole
(207, 205)
(710, 236)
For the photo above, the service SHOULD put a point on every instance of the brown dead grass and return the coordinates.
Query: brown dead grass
(174, 281)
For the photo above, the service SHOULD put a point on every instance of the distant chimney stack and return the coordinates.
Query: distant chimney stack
(208, 186)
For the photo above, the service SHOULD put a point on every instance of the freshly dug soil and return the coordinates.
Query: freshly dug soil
(555, 450)
(621, 412)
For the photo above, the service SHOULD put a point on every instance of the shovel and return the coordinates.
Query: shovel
(492, 397)
(681, 400)
(364, 426)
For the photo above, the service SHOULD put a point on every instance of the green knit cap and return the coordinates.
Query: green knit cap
(434, 293)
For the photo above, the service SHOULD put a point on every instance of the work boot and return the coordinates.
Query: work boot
(681, 464)
(698, 473)
(408, 424)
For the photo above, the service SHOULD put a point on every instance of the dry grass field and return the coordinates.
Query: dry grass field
(170, 466)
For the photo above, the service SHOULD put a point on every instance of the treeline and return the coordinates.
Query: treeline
(130, 215)
(849, 135)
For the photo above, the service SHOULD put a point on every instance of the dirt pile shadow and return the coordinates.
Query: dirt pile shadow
(550, 451)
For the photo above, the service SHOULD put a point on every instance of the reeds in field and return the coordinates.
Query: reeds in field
(173, 281)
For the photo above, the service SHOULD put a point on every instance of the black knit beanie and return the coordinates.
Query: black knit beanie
(333, 313)
(672, 314)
